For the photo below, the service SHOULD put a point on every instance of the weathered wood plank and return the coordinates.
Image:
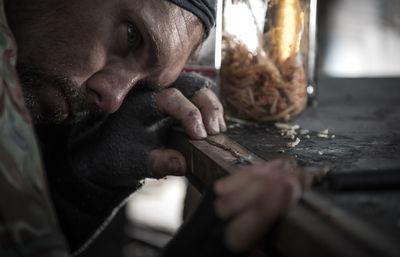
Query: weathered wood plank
(315, 227)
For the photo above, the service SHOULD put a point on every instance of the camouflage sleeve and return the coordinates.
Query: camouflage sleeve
(28, 226)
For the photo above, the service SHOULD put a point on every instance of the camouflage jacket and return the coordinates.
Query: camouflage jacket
(28, 226)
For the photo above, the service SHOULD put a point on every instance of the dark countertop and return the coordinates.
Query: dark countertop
(364, 116)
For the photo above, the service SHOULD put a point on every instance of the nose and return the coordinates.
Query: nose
(107, 89)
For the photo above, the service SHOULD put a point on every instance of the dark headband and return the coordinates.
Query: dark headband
(203, 9)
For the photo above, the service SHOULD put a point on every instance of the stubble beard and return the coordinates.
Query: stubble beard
(35, 82)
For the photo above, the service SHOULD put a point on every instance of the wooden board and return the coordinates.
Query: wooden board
(315, 227)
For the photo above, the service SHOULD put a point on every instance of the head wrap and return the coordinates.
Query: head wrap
(203, 9)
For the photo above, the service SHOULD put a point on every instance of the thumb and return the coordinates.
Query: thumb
(164, 162)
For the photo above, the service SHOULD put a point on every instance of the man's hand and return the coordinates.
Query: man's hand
(201, 115)
(129, 145)
(254, 198)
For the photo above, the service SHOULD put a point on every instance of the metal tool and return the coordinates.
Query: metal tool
(364, 180)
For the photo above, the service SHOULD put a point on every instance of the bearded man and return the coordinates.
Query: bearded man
(101, 80)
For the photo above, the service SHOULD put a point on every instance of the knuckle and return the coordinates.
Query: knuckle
(194, 113)
(172, 92)
(289, 189)
(193, 118)
(167, 98)
(205, 92)
(215, 108)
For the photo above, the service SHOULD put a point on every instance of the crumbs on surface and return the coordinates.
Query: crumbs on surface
(291, 132)
(294, 143)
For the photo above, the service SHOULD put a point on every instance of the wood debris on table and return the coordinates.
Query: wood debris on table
(294, 143)
(324, 133)
(288, 131)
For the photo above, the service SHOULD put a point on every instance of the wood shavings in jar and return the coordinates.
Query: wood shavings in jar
(261, 88)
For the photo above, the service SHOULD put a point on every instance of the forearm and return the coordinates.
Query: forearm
(99, 163)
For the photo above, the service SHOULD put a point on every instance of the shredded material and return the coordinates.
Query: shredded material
(261, 88)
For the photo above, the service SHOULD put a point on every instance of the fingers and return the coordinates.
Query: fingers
(164, 162)
(231, 183)
(201, 116)
(253, 198)
(237, 201)
(211, 109)
(251, 225)
(172, 102)
(222, 123)
(256, 185)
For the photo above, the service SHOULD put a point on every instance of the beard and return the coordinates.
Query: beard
(53, 99)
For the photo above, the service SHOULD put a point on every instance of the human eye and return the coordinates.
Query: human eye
(133, 36)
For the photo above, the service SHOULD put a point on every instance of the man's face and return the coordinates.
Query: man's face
(76, 57)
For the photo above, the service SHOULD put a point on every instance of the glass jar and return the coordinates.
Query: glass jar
(268, 57)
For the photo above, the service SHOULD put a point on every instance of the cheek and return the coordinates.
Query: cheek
(75, 50)
(173, 67)
(76, 59)
(92, 58)
(169, 75)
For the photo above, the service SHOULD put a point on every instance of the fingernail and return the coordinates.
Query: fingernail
(215, 126)
(223, 125)
(201, 131)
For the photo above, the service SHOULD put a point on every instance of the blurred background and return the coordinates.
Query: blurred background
(356, 38)
(359, 38)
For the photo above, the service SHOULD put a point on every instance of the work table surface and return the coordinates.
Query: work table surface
(364, 116)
